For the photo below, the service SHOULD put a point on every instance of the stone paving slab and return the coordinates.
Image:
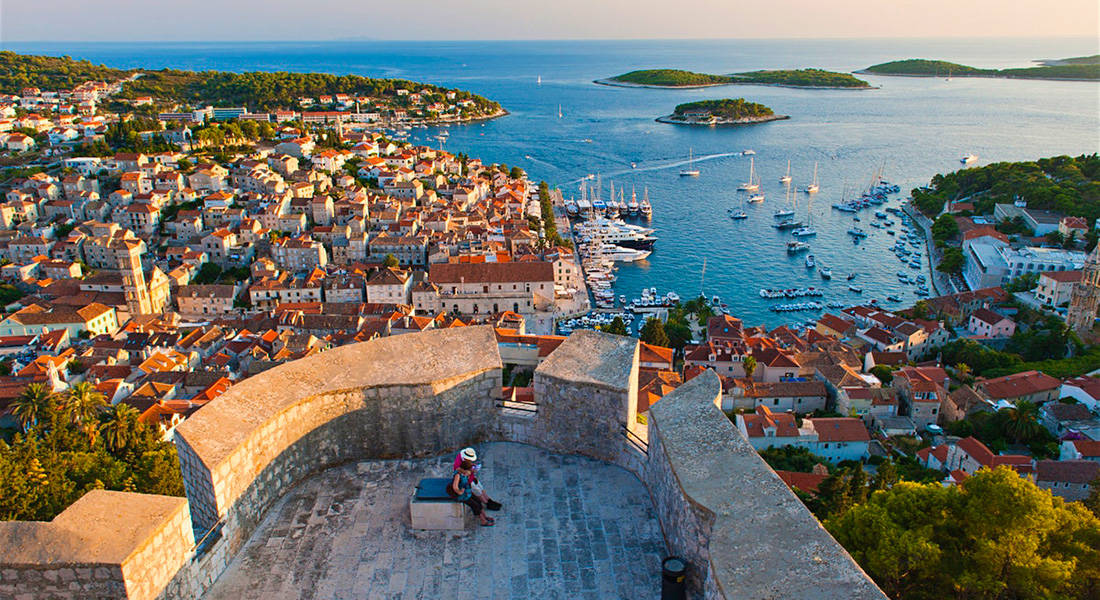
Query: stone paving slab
(571, 527)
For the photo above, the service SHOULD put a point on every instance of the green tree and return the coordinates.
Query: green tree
(884, 373)
(996, 535)
(886, 475)
(653, 332)
(32, 405)
(1022, 422)
(120, 426)
(516, 173)
(952, 261)
(390, 261)
(749, 365)
(617, 326)
(945, 228)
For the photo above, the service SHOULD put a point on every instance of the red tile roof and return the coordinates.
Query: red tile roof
(842, 429)
(807, 482)
(1019, 384)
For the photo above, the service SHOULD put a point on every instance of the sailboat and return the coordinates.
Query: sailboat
(806, 230)
(786, 178)
(632, 207)
(812, 188)
(646, 208)
(538, 81)
(752, 184)
(782, 213)
(740, 213)
(691, 171)
(559, 111)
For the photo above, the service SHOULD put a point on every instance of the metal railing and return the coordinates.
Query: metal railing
(634, 440)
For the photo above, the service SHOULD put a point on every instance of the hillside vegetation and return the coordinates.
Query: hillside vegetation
(733, 109)
(670, 77)
(795, 78)
(1072, 68)
(802, 78)
(256, 90)
(1069, 185)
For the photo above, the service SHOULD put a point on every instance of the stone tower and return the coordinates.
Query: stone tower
(127, 254)
(1086, 295)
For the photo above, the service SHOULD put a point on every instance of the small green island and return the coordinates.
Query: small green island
(677, 78)
(728, 111)
(1080, 68)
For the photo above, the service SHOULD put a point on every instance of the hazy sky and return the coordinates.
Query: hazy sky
(132, 20)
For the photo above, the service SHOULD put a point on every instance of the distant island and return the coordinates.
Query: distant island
(721, 112)
(1081, 68)
(677, 78)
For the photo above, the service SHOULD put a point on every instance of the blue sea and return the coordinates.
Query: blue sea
(909, 128)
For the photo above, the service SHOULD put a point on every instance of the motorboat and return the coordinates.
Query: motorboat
(756, 198)
(855, 289)
(826, 272)
(969, 158)
(810, 262)
(795, 246)
(783, 213)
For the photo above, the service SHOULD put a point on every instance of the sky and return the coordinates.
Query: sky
(208, 20)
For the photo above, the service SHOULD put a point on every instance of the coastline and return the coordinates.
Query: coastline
(626, 84)
(671, 120)
(612, 83)
(973, 76)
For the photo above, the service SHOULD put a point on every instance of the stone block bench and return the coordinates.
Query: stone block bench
(430, 507)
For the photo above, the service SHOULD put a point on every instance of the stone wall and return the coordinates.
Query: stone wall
(724, 510)
(106, 545)
(719, 504)
(585, 392)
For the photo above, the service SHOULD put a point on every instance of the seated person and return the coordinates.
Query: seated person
(459, 489)
(471, 455)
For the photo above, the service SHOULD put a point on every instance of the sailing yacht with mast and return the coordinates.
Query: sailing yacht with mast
(646, 209)
(752, 184)
(812, 188)
(806, 230)
(739, 213)
(691, 171)
(786, 178)
(632, 207)
(787, 211)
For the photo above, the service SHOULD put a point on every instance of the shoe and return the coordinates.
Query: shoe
(493, 505)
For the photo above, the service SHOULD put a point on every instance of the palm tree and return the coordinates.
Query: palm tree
(84, 403)
(749, 366)
(119, 428)
(1022, 422)
(32, 405)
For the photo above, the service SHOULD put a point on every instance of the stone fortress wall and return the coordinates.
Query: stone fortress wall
(720, 506)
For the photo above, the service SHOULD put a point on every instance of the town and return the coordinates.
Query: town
(157, 254)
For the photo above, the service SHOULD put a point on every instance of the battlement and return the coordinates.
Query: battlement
(419, 395)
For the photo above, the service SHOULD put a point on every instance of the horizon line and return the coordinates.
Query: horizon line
(533, 40)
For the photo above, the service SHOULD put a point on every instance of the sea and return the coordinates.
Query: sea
(907, 130)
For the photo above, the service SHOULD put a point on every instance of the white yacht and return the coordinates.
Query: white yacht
(826, 272)
(786, 178)
(646, 209)
(804, 231)
(632, 207)
(969, 158)
(795, 246)
(752, 184)
(621, 254)
(756, 198)
(691, 171)
(810, 262)
(812, 188)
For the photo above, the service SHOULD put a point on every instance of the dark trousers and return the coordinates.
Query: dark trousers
(475, 505)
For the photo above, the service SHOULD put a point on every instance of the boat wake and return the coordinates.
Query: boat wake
(662, 166)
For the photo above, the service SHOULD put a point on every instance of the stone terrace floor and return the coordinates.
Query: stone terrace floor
(571, 528)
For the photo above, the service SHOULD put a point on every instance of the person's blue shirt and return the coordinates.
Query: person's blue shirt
(464, 483)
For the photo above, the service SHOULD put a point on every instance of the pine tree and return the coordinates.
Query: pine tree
(653, 332)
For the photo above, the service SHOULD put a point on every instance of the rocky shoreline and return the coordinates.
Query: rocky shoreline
(672, 120)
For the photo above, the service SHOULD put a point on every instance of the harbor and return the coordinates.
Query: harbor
(614, 235)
